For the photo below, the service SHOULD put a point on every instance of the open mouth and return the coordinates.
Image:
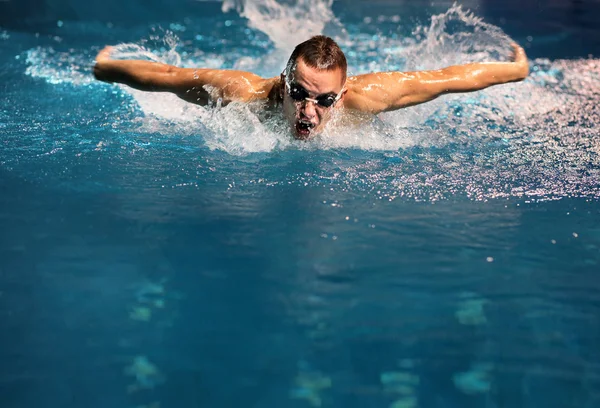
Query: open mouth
(304, 129)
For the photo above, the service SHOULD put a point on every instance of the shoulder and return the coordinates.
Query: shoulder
(366, 93)
(268, 88)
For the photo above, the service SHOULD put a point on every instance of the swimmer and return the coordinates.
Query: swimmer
(313, 84)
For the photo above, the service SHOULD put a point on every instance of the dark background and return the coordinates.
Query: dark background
(550, 23)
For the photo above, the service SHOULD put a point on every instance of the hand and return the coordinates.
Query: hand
(518, 53)
(102, 60)
(519, 57)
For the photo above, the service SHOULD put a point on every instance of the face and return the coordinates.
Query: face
(307, 118)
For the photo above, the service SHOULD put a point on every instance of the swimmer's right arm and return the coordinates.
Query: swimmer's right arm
(193, 85)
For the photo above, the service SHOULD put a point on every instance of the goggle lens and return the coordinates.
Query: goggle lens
(300, 94)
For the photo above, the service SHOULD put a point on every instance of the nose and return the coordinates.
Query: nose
(308, 109)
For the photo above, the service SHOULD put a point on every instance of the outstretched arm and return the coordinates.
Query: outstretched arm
(387, 91)
(194, 85)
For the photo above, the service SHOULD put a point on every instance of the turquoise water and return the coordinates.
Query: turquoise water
(157, 253)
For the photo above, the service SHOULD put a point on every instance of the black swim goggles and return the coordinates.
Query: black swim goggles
(299, 94)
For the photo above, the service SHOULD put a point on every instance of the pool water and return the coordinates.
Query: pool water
(157, 254)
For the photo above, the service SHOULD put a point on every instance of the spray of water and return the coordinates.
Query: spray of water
(286, 24)
(452, 36)
(57, 67)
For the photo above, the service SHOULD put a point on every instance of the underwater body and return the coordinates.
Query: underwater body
(156, 254)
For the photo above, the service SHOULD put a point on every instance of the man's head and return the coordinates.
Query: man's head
(313, 85)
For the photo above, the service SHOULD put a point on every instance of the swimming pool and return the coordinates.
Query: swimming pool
(158, 254)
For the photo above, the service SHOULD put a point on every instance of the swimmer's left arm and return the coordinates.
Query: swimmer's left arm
(381, 92)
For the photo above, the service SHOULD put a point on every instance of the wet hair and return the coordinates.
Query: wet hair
(319, 52)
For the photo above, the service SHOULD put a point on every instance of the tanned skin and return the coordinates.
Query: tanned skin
(369, 93)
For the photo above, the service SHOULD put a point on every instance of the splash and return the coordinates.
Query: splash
(454, 35)
(286, 24)
(161, 47)
(57, 67)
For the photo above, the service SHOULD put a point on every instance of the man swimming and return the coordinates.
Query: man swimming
(313, 85)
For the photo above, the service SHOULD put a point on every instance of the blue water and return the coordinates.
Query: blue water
(156, 254)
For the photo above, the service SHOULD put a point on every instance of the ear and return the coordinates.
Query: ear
(282, 86)
(343, 95)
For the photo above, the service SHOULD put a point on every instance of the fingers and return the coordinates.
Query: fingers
(104, 54)
(518, 53)
(520, 59)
